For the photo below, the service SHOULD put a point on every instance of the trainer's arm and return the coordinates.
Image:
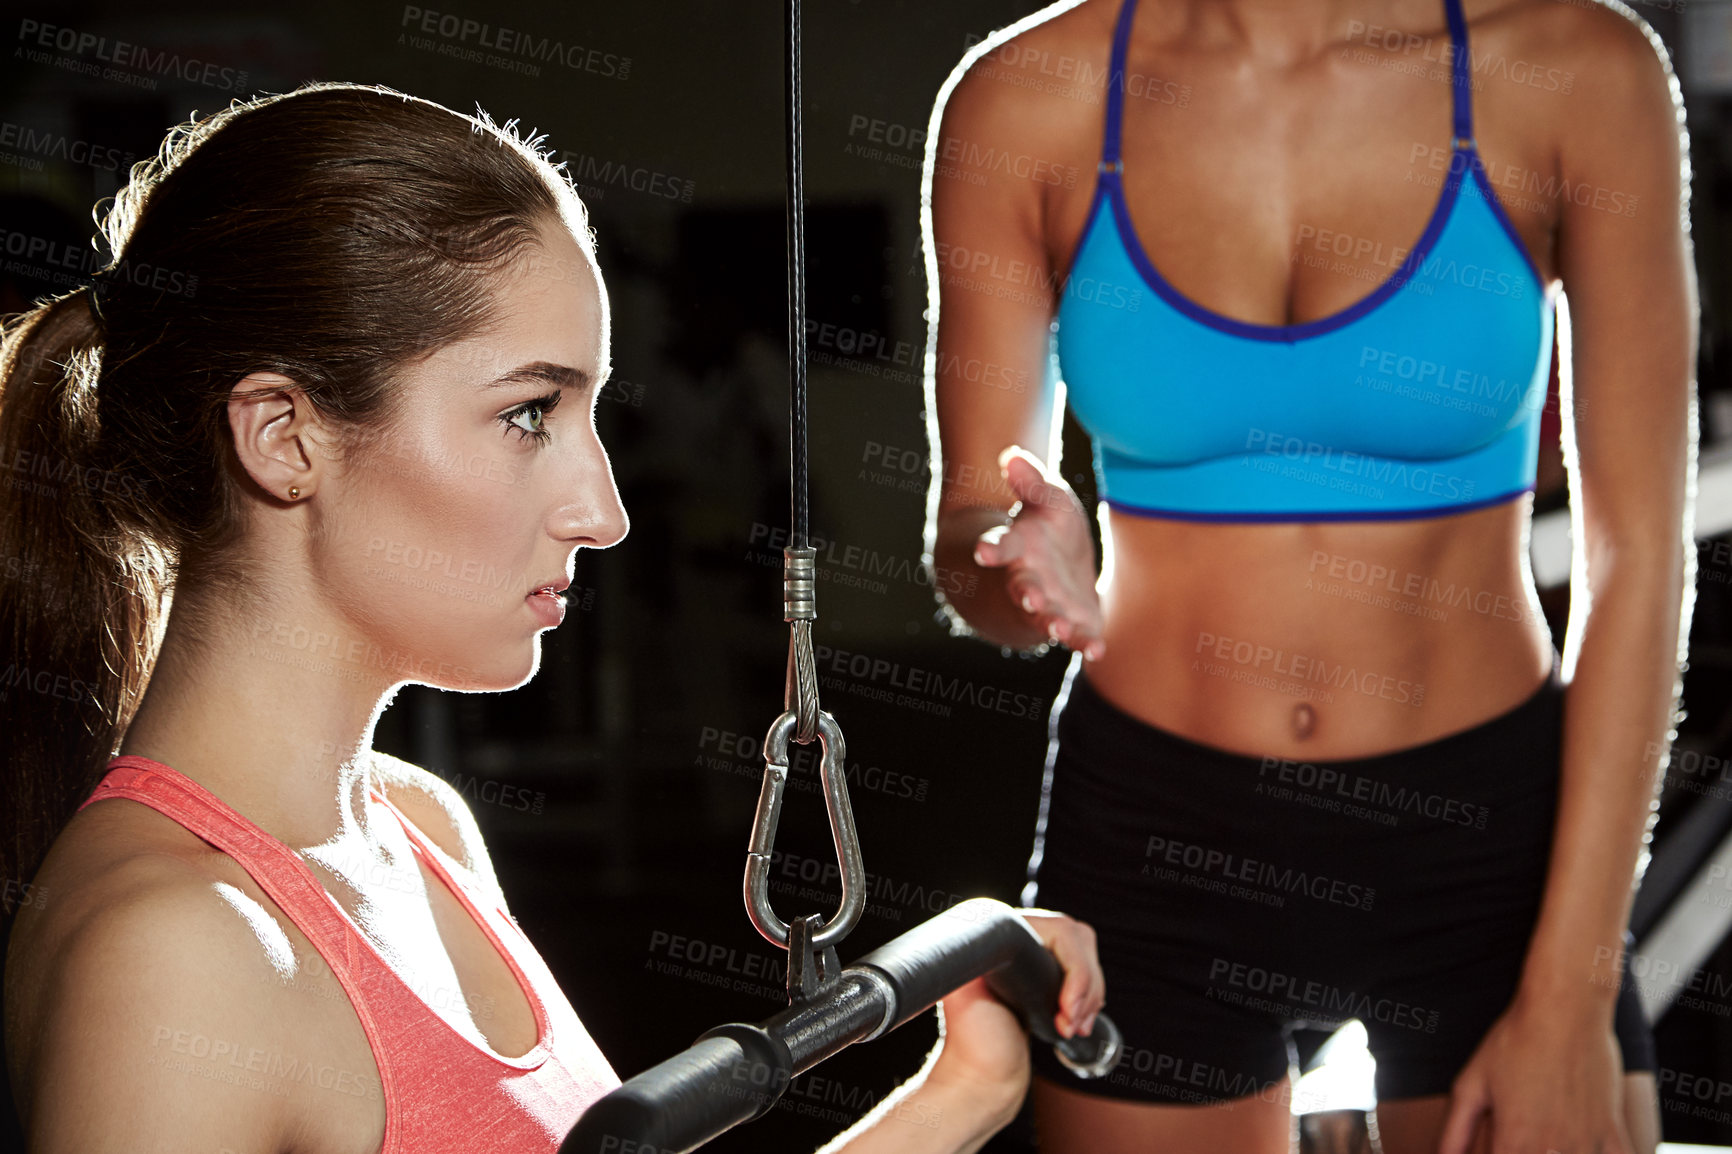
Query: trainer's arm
(1633, 312)
(1548, 1069)
(992, 294)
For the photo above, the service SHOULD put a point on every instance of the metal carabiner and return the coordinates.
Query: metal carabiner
(832, 768)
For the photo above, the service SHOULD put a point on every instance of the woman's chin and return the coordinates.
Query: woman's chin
(506, 671)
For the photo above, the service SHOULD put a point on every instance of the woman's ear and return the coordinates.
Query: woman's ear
(278, 436)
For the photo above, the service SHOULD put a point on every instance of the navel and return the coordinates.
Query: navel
(1304, 720)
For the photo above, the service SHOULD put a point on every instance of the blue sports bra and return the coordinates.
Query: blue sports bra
(1421, 400)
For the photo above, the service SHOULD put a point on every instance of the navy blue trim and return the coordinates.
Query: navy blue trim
(1133, 246)
(1110, 178)
(1502, 217)
(1461, 93)
(1082, 239)
(1332, 515)
(1112, 138)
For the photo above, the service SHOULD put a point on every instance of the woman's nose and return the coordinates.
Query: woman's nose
(594, 516)
(616, 523)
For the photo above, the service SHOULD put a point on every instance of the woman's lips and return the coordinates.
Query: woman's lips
(548, 606)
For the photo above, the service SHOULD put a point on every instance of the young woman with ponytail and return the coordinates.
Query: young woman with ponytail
(342, 332)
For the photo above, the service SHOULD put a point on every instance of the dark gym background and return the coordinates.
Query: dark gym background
(616, 789)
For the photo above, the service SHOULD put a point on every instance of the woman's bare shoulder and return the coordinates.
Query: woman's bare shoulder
(1042, 78)
(123, 879)
(1594, 81)
(108, 856)
(133, 967)
(1563, 47)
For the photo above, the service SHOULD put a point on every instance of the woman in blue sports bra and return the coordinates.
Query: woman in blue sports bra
(1298, 268)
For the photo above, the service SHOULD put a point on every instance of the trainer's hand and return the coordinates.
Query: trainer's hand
(984, 1043)
(1048, 555)
(1546, 1077)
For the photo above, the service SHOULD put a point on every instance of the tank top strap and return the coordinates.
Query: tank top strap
(1111, 154)
(452, 872)
(1460, 85)
(282, 875)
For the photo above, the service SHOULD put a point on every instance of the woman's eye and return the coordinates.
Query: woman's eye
(533, 416)
(524, 415)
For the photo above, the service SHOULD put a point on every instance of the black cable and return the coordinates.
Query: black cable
(796, 283)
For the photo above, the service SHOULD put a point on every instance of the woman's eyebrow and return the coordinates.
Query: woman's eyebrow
(564, 376)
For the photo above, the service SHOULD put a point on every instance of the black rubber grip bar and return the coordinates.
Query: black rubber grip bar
(735, 1073)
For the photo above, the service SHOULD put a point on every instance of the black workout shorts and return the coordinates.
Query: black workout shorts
(1239, 898)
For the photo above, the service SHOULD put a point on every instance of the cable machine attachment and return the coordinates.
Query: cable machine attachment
(811, 943)
(799, 610)
(809, 940)
(737, 1072)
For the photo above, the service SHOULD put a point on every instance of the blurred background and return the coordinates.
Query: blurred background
(616, 790)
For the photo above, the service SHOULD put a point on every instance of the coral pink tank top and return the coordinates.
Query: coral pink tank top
(443, 1092)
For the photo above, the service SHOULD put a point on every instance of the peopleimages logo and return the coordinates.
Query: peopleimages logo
(1285, 991)
(58, 146)
(1387, 796)
(1420, 371)
(1252, 656)
(595, 176)
(1265, 450)
(460, 31)
(865, 671)
(86, 52)
(81, 262)
(1232, 867)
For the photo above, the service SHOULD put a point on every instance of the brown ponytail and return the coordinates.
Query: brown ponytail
(331, 234)
(80, 606)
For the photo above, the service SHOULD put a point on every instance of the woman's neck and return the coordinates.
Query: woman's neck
(268, 712)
